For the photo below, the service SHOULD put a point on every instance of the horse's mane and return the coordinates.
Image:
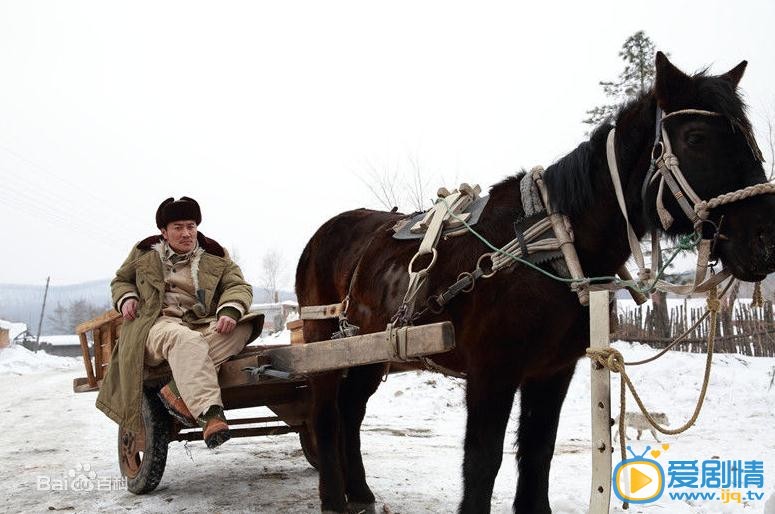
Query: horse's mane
(570, 180)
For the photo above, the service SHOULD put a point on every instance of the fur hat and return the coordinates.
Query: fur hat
(176, 210)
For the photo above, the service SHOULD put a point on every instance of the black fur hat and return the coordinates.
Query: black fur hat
(176, 210)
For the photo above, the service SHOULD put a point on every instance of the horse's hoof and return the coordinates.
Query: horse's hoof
(361, 508)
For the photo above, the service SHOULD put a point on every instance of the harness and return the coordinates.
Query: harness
(665, 168)
(546, 234)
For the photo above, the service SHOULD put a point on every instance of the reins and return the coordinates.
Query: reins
(612, 359)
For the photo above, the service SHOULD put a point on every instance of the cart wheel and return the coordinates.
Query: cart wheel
(142, 456)
(309, 446)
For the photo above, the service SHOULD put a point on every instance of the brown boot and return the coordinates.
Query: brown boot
(176, 406)
(215, 430)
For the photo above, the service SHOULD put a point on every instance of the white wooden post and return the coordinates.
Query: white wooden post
(600, 384)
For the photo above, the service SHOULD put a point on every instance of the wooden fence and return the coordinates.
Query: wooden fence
(742, 329)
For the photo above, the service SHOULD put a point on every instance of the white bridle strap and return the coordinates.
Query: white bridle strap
(670, 174)
(637, 254)
(645, 273)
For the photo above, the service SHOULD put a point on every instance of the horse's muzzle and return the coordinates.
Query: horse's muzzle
(747, 248)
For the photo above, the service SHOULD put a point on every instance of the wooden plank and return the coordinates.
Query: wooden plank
(231, 374)
(82, 385)
(600, 493)
(87, 360)
(255, 421)
(196, 435)
(107, 317)
(301, 360)
(107, 340)
(269, 394)
(297, 331)
(321, 311)
(97, 339)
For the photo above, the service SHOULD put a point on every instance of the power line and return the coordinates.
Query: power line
(69, 191)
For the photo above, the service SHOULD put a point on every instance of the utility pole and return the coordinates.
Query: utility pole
(42, 310)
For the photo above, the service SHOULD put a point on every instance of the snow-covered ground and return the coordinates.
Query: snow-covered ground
(14, 329)
(412, 439)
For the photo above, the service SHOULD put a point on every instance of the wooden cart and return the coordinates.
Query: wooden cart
(282, 387)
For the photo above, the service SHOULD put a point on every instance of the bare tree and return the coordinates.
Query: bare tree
(417, 187)
(383, 185)
(272, 267)
(397, 188)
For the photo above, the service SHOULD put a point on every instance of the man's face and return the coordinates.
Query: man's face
(181, 235)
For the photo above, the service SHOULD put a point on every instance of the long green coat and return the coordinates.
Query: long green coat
(142, 274)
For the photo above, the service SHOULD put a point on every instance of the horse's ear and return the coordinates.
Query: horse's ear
(735, 74)
(670, 83)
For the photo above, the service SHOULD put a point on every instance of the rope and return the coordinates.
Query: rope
(682, 336)
(613, 360)
(703, 208)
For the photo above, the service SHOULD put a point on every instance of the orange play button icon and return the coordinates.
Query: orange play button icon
(638, 480)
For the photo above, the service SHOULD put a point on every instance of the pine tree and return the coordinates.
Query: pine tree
(638, 75)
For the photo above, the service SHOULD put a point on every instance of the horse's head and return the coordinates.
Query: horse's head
(705, 126)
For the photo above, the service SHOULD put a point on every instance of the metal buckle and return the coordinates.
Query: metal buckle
(434, 254)
(485, 274)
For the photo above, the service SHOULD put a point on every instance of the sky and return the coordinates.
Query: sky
(275, 116)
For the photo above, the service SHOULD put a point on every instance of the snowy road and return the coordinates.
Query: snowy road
(412, 438)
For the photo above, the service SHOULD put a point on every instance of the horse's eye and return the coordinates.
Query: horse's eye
(695, 139)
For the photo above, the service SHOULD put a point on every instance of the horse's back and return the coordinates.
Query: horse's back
(331, 255)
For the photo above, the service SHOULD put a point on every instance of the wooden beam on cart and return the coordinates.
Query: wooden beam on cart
(306, 359)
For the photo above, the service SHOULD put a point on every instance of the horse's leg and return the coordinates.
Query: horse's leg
(354, 393)
(326, 423)
(489, 399)
(541, 401)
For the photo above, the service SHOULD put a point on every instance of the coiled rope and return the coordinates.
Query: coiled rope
(612, 359)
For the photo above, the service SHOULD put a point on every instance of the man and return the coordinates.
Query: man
(183, 301)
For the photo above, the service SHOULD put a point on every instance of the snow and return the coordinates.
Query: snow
(14, 329)
(412, 443)
(18, 360)
(62, 340)
(274, 339)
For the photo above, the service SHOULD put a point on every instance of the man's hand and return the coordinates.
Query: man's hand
(225, 325)
(129, 309)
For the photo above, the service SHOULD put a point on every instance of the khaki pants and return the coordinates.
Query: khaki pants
(194, 353)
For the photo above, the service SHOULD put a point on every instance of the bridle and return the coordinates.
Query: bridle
(665, 168)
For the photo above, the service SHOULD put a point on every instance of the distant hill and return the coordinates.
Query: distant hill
(21, 302)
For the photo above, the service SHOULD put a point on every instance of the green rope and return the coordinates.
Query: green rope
(686, 242)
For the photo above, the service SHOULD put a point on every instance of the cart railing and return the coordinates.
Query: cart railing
(104, 331)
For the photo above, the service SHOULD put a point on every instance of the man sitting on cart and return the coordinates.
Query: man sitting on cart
(184, 301)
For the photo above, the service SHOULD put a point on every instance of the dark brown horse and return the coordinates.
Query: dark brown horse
(521, 329)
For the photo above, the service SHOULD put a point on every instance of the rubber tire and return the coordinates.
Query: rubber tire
(309, 447)
(156, 421)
